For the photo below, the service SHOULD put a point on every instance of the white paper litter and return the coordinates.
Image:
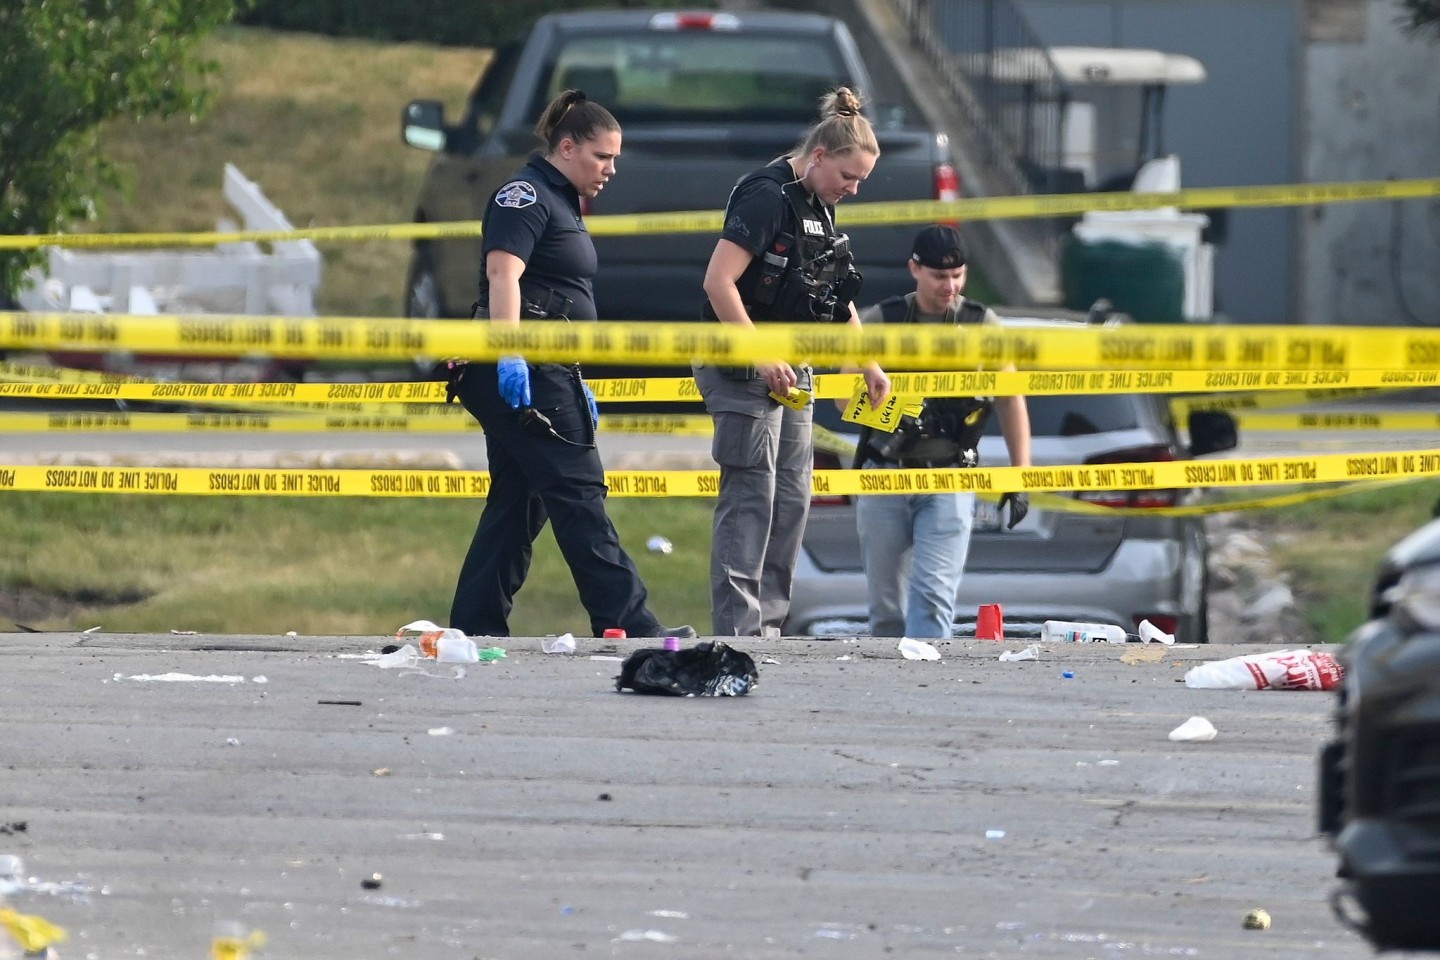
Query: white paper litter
(917, 650)
(1031, 652)
(1194, 730)
(565, 643)
(1148, 632)
(181, 678)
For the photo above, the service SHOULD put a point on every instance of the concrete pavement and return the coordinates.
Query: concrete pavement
(841, 810)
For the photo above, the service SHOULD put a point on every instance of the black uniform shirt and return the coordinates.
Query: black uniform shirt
(756, 213)
(536, 216)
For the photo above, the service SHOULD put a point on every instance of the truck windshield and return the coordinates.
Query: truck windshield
(689, 76)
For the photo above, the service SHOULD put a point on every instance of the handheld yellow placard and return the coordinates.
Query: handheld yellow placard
(34, 934)
(885, 417)
(796, 400)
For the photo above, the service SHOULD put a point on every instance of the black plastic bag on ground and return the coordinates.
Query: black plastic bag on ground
(711, 669)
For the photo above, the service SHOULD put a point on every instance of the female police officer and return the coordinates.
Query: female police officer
(779, 258)
(539, 419)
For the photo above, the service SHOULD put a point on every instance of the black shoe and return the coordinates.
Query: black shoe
(685, 632)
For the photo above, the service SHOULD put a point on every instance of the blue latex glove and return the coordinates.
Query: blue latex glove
(590, 399)
(514, 381)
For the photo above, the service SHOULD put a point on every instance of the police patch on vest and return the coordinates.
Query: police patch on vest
(813, 228)
(516, 193)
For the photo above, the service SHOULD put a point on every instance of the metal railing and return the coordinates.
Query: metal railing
(1004, 81)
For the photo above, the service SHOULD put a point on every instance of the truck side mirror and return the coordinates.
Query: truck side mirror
(1211, 431)
(422, 124)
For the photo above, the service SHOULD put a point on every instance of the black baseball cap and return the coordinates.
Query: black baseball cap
(939, 247)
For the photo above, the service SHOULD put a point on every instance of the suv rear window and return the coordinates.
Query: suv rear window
(661, 76)
(1075, 416)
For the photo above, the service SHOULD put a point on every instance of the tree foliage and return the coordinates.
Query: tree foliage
(66, 67)
(476, 23)
(1421, 17)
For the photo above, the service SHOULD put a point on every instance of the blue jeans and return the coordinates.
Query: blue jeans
(921, 539)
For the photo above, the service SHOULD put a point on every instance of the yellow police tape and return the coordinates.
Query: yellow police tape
(1053, 501)
(1265, 471)
(850, 215)
(1249, 355)
(1333, 420)
(455, 419)
(1287, 387)
(1240, 403)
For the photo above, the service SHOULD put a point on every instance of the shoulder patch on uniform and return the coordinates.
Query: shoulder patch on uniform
(516, 193)
(736, 225)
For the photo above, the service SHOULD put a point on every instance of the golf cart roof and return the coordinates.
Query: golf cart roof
(1098, 66)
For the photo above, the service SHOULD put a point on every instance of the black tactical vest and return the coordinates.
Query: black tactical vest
(947, 432)
(807, 272)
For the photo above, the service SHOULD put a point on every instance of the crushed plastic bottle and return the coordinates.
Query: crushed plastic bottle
(659, 544)
(429, 637)
(1066, 631)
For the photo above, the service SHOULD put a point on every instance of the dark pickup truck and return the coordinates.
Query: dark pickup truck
(703, 99)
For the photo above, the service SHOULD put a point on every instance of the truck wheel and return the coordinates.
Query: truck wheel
(423, 300)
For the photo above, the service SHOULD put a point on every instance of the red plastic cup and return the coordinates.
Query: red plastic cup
(989, 623)
(614, 633)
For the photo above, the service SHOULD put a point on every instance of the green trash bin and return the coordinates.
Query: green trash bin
(1144, 278)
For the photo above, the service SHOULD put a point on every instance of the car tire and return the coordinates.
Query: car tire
(423, 298)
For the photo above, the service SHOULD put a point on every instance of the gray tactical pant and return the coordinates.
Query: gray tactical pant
(765, 456)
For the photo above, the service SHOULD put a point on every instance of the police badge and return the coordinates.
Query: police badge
(516, 193)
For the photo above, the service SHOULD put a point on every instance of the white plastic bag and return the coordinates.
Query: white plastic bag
(1281, 670)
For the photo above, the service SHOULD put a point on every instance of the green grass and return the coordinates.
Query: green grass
(315, 566)
(314, 121)
(1328, 549)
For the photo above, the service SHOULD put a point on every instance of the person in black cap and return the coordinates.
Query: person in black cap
(540, 418)
(914, 545)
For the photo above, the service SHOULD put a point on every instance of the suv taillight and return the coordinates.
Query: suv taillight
(947, 182)
(1132, 498)
(827, 461)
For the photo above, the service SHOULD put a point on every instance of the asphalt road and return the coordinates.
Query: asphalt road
(849, 807)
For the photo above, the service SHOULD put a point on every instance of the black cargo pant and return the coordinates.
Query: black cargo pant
(534, 478)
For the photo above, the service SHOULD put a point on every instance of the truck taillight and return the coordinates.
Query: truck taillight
(1132, 498)
(947, 182)
(827, 461)
(694, 21)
